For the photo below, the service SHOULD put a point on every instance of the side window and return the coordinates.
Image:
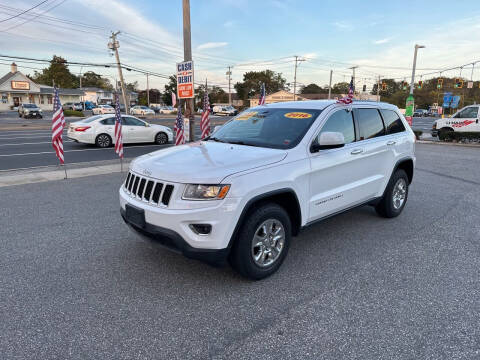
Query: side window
(468, 113)
(341, 121)
(370, 123)
(133, 122)
(392, 122)
(108, 121)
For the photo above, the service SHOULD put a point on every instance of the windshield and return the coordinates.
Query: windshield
(30, 106)
(272, 128)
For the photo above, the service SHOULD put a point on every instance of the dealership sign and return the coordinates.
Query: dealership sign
(185, 80)
(20, 85)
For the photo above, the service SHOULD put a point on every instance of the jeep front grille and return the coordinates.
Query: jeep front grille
(148, 190)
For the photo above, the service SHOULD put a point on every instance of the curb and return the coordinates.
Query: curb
(22, 177)
(446, 143)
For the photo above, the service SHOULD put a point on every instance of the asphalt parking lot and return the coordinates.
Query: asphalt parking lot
(76, 283)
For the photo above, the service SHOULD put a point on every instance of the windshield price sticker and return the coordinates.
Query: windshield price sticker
(246, 116)
(298, 115)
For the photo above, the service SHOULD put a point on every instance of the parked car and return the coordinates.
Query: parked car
(72, 106)
(103, 109)
(29, 110)
(100, 130)
(420, 112)
(141, 110)
(89, 105)
(224, 110)
(167, 110)
(464, 120)
(263, 176)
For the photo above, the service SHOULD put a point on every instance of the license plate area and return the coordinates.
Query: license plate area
(135, 215)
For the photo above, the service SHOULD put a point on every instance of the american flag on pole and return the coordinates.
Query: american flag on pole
(262, 95)
(118, 129)
(179, 126)
(205, 121)
(58, 123)
(349, 98)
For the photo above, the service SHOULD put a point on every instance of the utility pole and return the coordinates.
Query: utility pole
(330, 86)
(297, 60)
(353, 69)
(378, 89)
(114, 45)
(148, 93)
(229, 74)
(187, 54)
(83, 100)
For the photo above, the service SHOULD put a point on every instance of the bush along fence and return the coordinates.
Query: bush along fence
(73, 113)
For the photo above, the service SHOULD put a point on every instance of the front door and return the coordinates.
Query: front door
(466, 120)
(137, 130)
(16, 101)
(335, 173)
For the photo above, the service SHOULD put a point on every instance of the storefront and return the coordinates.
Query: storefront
(16, 89)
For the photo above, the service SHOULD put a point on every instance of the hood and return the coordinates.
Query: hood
(204, 162)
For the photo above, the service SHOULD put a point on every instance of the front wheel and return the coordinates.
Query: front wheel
(262, 243)
(161, 138)
(103, 141)
(395, 196)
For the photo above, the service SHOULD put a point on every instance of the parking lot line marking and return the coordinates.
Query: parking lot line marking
(52, 152)
(35, 143)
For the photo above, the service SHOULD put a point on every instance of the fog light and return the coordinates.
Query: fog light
(201, 229)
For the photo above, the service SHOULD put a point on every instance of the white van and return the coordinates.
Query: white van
(464, 120)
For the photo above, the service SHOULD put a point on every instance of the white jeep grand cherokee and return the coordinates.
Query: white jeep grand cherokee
(257, 181)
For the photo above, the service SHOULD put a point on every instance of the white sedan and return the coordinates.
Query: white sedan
(100, 130)
(141, 110)
(103, 109)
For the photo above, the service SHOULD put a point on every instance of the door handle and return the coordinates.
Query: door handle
(356, 151)
(391, 142)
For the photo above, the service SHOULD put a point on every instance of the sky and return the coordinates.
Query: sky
(376, 36)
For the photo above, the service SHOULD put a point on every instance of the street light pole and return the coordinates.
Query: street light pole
(412, 83)
(410, 103)
(330, 86)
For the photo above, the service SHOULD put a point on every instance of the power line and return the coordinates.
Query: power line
(24, 12)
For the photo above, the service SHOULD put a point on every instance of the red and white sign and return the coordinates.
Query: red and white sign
(20, 85)
(185, 80)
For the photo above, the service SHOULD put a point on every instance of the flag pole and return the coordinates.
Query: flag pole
(121, 165)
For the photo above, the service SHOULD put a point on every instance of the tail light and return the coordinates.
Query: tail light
(82, 128)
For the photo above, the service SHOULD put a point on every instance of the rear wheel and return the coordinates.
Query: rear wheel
(161, 138)
(103, 141)
(395, 196)
(262, 243)
(444, 133)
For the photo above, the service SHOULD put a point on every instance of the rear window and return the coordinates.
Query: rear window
(370, 123)
(108, 121)
(392, 122)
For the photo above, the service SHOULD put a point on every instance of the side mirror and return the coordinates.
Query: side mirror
(328, 140)
(216, 128)
(147, 125)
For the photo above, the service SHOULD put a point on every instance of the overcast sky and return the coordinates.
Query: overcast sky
(378, 36)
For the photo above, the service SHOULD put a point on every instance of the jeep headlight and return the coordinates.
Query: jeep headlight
(205, 192)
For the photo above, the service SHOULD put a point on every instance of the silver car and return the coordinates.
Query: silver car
(29, 110)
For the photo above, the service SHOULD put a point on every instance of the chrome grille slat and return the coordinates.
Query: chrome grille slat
(154, 192)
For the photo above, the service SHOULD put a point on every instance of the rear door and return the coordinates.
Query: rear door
(107, 126)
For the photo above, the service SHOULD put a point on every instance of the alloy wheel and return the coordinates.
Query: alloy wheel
(268, 242)
(399, 193)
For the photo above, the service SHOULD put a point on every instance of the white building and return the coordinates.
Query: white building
(16, 89)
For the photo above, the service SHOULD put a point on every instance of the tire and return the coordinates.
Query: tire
(161, 138)
(103, 141)
(19, 115)
(395, 195)
(258, 262)
(443, 133)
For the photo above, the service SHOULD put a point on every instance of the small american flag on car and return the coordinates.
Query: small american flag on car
(262, 95)
(349, 98)
(179, 127)
(118, 129)
(58, 123)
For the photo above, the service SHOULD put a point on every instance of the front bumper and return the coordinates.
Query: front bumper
(173, 241)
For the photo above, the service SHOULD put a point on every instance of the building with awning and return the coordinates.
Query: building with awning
(16, 88)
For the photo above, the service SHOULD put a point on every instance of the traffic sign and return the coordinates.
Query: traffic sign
(455, 102)
(185, 80)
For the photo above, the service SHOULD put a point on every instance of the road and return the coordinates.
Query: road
(76, 283)
(20, 149)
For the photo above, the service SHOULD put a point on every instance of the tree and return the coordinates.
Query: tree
(155, 97)
(341, 88)
(215, 95)
(252, 81)
(91, 79)
(57, 73)
(392, 87)
(132, 86)
(313, 89)
(170, 87)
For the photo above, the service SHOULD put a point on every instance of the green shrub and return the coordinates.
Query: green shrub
(418, 133)
(458, 136)
(73, 113)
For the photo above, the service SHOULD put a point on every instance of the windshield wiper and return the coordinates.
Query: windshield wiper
(214, 139)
